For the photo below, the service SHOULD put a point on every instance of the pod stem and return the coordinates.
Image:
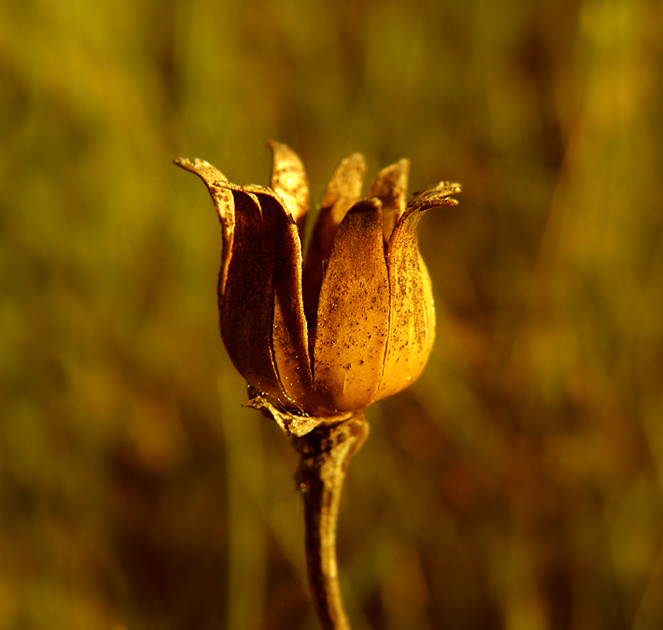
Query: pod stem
(325, 454)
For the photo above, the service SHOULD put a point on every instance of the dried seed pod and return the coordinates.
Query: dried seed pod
(354, 323)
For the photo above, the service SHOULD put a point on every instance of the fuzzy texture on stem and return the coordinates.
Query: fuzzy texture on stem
(325, 455)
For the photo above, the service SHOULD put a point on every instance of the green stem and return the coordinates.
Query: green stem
(325, 455)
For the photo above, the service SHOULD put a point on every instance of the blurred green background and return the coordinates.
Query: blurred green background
(516, 485)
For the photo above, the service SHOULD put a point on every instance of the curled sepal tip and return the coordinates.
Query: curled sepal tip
(216, 182)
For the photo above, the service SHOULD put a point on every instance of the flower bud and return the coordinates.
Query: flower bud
(354, 322)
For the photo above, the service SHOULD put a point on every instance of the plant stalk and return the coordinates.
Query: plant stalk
(325, 455)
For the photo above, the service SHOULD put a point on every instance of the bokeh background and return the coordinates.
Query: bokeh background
(516, 485)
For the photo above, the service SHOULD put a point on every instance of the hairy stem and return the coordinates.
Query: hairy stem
(325, 455)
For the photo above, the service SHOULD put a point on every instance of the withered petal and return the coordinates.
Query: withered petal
(390, 187)
(343, 191)
(353, 313)
(247, 306)
(412, 313)
(224, 204)
(289, 180)
(260, 297)
(289, 331)
(262, 312)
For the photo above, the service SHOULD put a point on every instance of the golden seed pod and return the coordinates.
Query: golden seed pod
(354, 322)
